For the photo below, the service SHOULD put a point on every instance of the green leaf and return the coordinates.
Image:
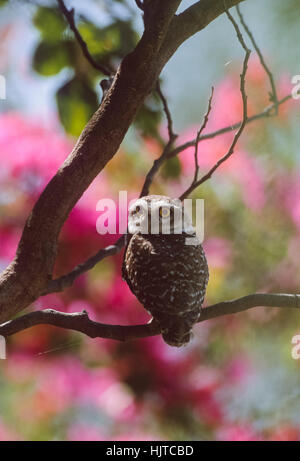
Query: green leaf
(148, 120)
(171, 168)
(51, 58)
(50, 23)
(100, 41)
(76, 102)
(3, 2)
(115, 40)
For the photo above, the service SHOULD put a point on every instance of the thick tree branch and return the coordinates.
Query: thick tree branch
(81, 322)
(192, 20)
(28, 275)
(67, 280)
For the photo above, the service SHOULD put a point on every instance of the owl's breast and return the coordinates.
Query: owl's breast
(164, 273)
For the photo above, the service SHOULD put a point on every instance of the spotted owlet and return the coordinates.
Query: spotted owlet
(166, 271)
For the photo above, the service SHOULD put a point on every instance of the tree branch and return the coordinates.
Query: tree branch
(267, 112)
(165, 153)
(67, 280)
(69, 15)
(273, 94)
(81, 322)
(61, 283)
(27, 277)
(197, 183)
(30, 273)
(196, 145)
(192, 20)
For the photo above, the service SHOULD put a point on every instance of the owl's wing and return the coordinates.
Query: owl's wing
(135, 244)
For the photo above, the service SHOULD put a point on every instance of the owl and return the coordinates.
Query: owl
(165, 265)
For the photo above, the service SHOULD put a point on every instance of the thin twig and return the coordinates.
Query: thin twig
(266, 113)
(167, 111)
(273, 94)
(61, 283)
(200, 131)
(69, 15)
(81, 322)
(165, 153)
(223, 159)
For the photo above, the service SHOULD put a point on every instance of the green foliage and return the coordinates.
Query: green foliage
(113, 41)
(3, 2)
(171, 168)
(76, 102)
(149, 117)
(108, 45)
(289, 11)
(50, 23)
(50, 58)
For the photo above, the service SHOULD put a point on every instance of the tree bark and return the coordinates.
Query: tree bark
(27, 276)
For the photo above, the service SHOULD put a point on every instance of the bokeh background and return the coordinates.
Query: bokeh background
(237, 379)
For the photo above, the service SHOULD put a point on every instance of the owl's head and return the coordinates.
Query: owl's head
(158, 214)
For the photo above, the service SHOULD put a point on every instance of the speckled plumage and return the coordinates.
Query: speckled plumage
(169, 278)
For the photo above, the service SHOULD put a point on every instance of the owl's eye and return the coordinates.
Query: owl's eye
(138, 208)
(164, 212)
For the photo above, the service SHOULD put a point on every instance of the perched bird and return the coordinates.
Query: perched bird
(166, 272)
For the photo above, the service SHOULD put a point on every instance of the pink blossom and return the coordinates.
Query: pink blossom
(238, 369)
(80, 432)
(218, 251)
(285, 433)
(26, 146)
(237, 433)
(292, 199)
(6, 434)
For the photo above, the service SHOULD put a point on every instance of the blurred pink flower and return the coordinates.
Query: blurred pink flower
(27, 146)
(80, 432)
(285, 433)
(218, 251)
(292, 199)
(6, 434)
(120, 305)
(237, 433)
(238, 369)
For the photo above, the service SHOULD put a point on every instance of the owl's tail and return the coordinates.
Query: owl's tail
(178, 331)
